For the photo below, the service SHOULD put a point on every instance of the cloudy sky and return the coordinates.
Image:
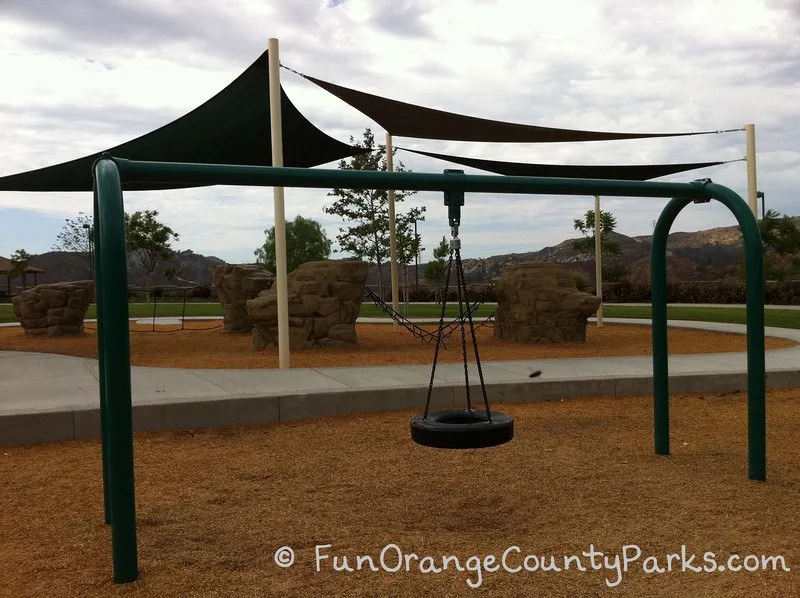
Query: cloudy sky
(78, 76)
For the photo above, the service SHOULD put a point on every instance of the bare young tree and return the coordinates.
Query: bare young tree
(149, 240)
(366, 211)
(77, 238)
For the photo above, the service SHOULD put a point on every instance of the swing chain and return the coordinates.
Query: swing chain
(460, 270)
(439, 334)
(462, 296)
(455, 255)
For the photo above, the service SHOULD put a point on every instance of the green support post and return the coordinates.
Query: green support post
(658, 291)
(98, 278)
(114, 342)
(756, 368)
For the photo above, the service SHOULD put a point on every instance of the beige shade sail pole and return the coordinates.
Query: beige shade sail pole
(752, 184)
(392, 236)
(598, 266)
(276, 129)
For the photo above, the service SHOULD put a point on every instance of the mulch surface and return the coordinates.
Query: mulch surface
(205, 345)
(213, 506)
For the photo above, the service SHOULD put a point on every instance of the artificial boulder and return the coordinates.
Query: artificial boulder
(538, 303)
(54, 309)
(324, 301)
(235, 286)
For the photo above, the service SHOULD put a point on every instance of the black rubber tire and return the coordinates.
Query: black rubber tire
(462, 429)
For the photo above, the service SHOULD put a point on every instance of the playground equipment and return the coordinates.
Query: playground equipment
(183, 291)
(447, 329)
(457, 428)
(112, 304)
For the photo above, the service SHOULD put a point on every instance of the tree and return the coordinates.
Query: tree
(306, 241)
(173, 272)
(780, 235)
(435, 270)
(77, 237)
(610, 272)
(586, 226)
(20, 260)
(409, 245)
(615, 271)
(149, 240)
(366, 210)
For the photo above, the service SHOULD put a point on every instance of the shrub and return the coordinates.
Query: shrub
(203, 292)
(722, 292)
(581, 282)
(626, 292)
(783, 293)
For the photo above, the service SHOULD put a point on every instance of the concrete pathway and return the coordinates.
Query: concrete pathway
(47, 397)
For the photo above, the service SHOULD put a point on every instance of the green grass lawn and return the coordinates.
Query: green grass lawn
(783, 318)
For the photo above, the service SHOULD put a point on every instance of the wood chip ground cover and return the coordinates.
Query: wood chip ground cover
(213, 506)
(207, 346)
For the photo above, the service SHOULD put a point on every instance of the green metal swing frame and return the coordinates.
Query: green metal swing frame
(112, 301)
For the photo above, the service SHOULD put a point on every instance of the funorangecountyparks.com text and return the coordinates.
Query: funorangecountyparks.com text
(514, 560)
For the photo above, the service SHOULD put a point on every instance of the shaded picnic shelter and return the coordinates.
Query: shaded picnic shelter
(7, 266)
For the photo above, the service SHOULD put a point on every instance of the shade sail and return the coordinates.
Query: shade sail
(233, 127)
(411, 120)
(638, 172)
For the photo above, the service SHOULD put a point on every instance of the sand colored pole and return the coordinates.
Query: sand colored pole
(276, 129)
(752, 183)
(598, 265)
(392, 235)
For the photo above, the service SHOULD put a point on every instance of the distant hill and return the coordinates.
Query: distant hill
(703, 255)
(60, 266)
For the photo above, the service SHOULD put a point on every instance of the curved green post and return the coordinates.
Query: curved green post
(114, 342)
(756, 371)
(98, 278)
(658, 291)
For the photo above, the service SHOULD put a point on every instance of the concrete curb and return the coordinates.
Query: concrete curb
(51, 398)
(56, 425)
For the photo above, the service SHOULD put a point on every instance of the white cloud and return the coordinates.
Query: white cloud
(81, 76)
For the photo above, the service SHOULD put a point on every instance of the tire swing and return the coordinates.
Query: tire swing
(460, 428)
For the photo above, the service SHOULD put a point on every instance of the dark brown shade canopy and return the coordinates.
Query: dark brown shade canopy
(233, 127)
(636, 172)
(410, 120)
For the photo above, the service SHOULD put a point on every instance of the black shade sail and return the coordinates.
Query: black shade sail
(233, 127)
(636, 172)
(411, 120)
